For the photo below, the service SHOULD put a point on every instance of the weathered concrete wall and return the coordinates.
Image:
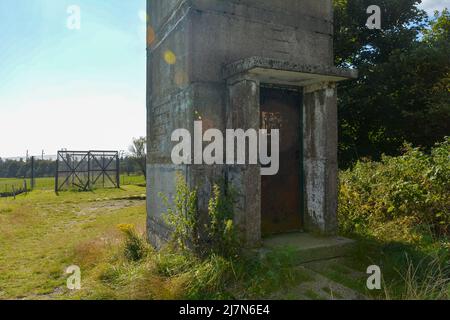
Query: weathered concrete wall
(243, 111)
(205, 35)
(222, 39)
(160, 178)
(320, 158)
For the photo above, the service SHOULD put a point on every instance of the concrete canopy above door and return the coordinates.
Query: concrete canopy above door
(279, 72)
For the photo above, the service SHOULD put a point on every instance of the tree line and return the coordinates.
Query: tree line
(22, 168)
(46, 168)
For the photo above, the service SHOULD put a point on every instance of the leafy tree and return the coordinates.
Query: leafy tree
(357, 45)
(138, 152)
(129, 166)
(402, 92)
(439, 28)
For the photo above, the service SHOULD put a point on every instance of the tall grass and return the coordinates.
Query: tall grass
(174, 274)
(427, 280)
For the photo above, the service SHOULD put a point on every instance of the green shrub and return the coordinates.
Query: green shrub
(216, 236)
(402, 198)
(222, 238)
(135, 247)
(182, 216)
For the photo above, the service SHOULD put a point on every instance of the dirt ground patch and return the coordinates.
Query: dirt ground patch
(103, 207)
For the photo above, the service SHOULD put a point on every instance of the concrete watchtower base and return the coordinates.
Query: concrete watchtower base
(246, 64)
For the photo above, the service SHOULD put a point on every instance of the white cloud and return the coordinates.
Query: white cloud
(431, 5)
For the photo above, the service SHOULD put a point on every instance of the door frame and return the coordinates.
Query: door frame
(301, 164)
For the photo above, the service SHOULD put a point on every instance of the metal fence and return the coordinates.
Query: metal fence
(86, 170)
(12, 189)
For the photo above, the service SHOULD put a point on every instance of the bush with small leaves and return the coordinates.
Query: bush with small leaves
(402, 198)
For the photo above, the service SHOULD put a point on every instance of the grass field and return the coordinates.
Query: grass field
(42, 234)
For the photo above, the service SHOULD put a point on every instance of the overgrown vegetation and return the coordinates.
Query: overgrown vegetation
(399, 210)
(182, 216)
(175, 274)
(427, 280)
(213, 234)
(403, 198)
(135, 248)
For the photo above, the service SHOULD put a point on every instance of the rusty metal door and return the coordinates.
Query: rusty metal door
(281, 195)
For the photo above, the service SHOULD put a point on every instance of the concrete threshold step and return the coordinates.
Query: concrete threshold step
(317, 287)
(309, 247)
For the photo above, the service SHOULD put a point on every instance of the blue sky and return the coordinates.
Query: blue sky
(75, 89)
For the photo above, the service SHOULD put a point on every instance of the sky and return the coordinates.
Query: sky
(431, 5)
(78, 89)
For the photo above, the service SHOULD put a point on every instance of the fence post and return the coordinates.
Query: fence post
(89, 170)
(118, 171)
(56, 173)
(32, 173)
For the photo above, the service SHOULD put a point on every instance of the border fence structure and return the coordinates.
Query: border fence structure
(14, 189)
(85, 170)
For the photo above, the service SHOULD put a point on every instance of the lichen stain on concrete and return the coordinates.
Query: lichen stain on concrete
(320, 95)
(330, 92)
